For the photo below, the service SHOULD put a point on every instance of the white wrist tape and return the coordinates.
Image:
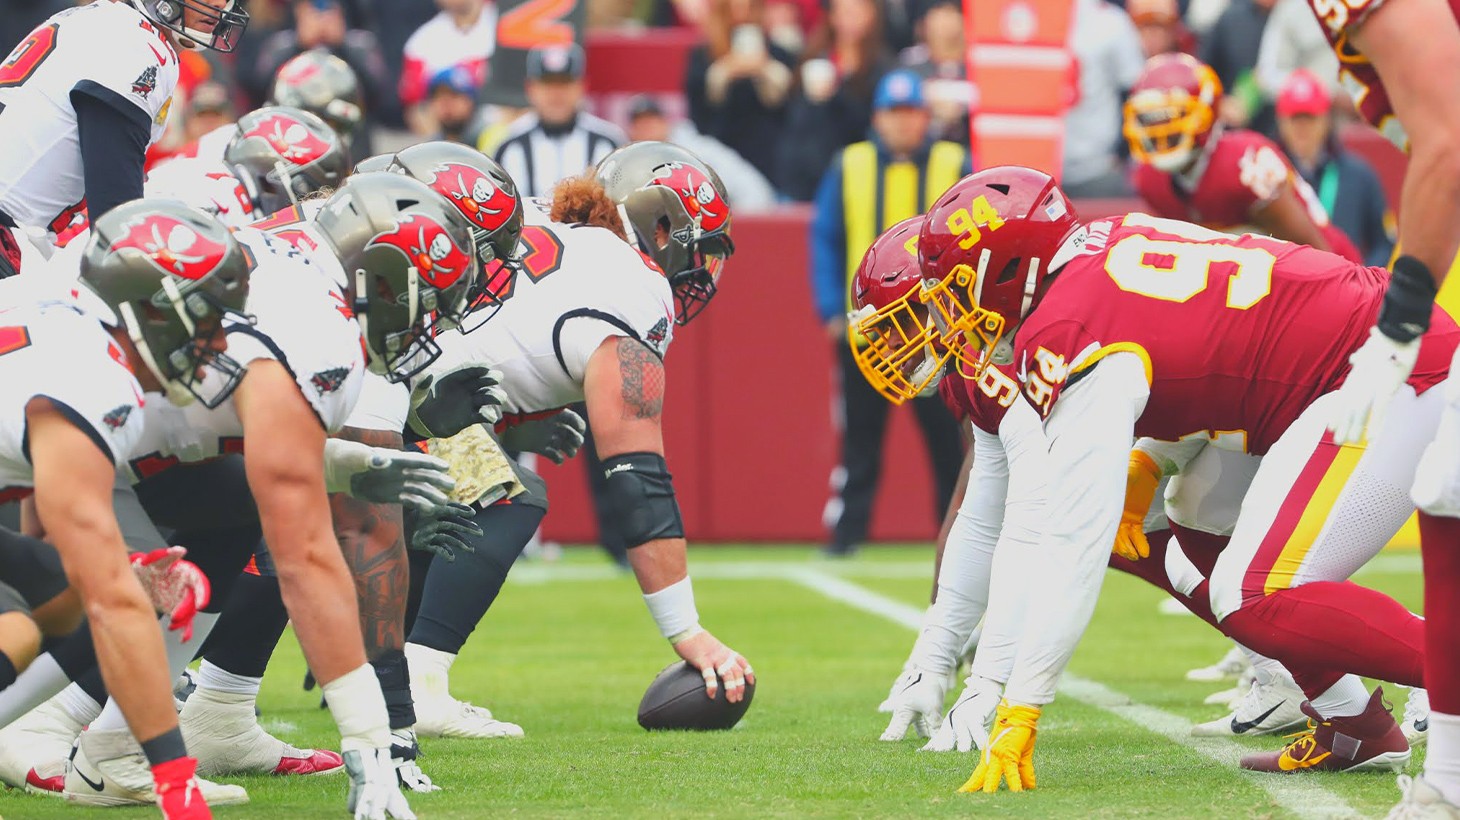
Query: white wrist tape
(673, 608)
(342, 461)
(358, 708)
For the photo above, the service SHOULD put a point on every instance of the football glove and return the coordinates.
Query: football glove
(917, 703)
(444, 530)
(374, 794)
(967, 724)
(1142, 476)
(1009, 754)
(177, 588)
(403, 752)
(885, 707)
(558, 437)
(381, 475)
(445, 404)
(1378, 368)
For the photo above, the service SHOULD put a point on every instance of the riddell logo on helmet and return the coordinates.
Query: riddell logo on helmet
(290, 138)
(701, 201)
(474, 194)
(172, 246)
(427, 246)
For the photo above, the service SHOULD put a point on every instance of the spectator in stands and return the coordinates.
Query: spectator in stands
(1230, 48)
(789, 22)
(939, 59)
(1158, 22)
(451, 103)
(209, 107)
(748, 188)
(557, 138)
(1108, 54)
(737, 83)
(463, 33)
(869, 187)
(1345, 183)
(833, 106)
(322, 24)
(1293, 39)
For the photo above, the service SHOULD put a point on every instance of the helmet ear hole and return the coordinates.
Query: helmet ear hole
(1010, 269)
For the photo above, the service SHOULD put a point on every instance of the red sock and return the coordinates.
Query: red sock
(1439, 539)
(1329, 627)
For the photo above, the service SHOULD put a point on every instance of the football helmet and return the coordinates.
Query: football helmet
(1171, 111)
(170, 275)
(285, 154)
(374, 162)
(226, 24)
(488, 199)
(893, 342)
(675, 207)
(987, 249)
(324, 85)
(408, 258)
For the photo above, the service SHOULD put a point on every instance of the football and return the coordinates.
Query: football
(677, 700)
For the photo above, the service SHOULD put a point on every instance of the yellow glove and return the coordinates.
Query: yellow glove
(1141, 479)
(1009, 753)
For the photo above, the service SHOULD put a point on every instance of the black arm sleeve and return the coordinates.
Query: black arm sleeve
(113, 135)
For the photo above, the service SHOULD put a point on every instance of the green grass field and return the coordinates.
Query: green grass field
(570, 648)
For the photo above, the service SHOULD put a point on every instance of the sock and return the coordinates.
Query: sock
(1330, 625)
(7, 671)
(1440, 546)
(249, 628)
(1346, 698)
(1442, 761)
(165, 748)
(218, 679)
(430, 669)
(78, 705)
(395, 685)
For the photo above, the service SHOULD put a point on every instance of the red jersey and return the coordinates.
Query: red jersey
(1238, 173)
(985, 400)
(1239, 333)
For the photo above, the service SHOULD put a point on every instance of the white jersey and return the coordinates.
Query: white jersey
(208, 149)
(106, 44)
(207, 186)
(580, 285)
(304, 323)
(56, 349)
(382, 404)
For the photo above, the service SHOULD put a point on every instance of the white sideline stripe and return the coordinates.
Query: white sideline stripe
(1296, 794)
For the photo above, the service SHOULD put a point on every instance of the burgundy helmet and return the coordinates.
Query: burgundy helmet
(895, 346)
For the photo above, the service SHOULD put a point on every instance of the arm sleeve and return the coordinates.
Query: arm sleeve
(1089, 434)
(113, 133)
(963, 580)
(828, 246)
(1171, 456)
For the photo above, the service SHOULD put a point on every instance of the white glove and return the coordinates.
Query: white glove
(967, 724)
(885, 707)
(374, 794)
(403, 752)
(917, 702)
(558, 436)
(1380, 366)
(381, 475)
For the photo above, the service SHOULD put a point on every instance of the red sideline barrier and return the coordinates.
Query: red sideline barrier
(748, 424)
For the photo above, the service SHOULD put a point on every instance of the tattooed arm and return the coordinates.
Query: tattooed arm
(624, 389)
(372, 539)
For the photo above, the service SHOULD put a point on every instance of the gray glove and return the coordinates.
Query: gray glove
(558, 437)
(444, 404)
(382, 475)
(442, 530)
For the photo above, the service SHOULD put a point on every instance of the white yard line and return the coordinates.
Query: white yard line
(1298, 795)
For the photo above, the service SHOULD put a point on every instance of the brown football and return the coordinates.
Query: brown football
(677, 700)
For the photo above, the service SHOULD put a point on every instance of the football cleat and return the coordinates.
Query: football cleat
(1231, 666)
(1369, 741)
(1229, 698)
(1266, 709)
(1416, 723)
(445, 716)
(183, 688)
(1421, 801)
(33, 749)
(107, 769)
(223, 733)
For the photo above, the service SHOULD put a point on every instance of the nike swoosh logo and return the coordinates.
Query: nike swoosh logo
(1422, 725)
(1240, 727)
(94, 786)
(161, 60)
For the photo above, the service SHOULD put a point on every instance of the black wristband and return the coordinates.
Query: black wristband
(1405, 313)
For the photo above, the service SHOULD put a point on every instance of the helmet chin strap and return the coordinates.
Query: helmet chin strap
(374, 361)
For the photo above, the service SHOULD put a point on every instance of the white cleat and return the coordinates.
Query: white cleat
(1266, 709)
(1231, 666)
(1229, 698)
(107, 769)
(223, 733)
(1421, 801)
(445, 716)
(33, 749)
(1416, 723)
